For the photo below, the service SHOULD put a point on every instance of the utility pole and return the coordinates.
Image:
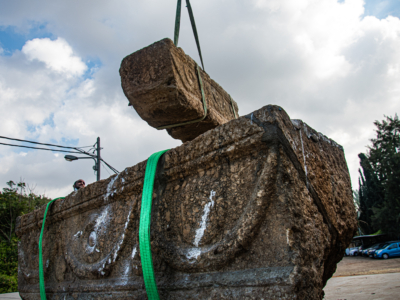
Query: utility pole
(98, 160)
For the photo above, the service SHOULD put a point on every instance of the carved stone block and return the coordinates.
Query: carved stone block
(258, 208)
(161, 83)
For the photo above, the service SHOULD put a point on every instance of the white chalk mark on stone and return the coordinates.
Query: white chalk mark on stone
(133, 255)
(193, 253)
(203, 225)
(287, 236)
(97, 250)
(296, 123)
(78, 234)
(127, 220)
(126, 269)
(110, 185)
(101, 219)
(134, 252)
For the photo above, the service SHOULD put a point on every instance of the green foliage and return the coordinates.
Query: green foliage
(8, 284)
(370, 193)
(9, 266)
(379, 191)
(378, 232)
(14, 202)
(356, 200)
(387, 215)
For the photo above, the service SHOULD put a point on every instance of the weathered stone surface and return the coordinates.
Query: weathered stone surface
(257, 208)
(161, 83)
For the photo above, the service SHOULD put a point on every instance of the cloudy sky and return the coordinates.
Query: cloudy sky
(333, 64)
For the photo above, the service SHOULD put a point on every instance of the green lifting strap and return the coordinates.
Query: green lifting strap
(41, 273)
(144, 226)
(203, 97)
(177, 26)
(233, 108)
(177, 23)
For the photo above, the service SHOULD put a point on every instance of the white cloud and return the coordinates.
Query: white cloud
(57, 55)
(38, 102)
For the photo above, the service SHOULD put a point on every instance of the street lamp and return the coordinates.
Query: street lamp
(97, 159)
(70, 158)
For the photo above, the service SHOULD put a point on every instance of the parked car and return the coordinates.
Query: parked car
(371, 252)
(353, 251)
(348, 251)
(361, 249)
(391, 250)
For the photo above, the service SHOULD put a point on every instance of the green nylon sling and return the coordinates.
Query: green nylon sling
(144, 226)
(176, 39)
(178, 23)
(41, 273)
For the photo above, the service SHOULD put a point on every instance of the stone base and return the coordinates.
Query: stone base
(258, 208)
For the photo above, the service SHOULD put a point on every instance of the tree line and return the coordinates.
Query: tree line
(378, 196)
(16, 200)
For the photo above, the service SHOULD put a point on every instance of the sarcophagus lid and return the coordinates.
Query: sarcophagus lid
(258, 208)
(163, 85)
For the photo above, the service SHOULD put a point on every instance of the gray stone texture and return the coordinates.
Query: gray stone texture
(161, 83)
(260, 207)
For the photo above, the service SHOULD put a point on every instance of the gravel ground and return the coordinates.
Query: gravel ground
(362, 278)
(364, 287)
(358, 265)
(10, 296)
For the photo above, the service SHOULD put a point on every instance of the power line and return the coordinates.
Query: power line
(78, 150)
(112, 168)
(106, 168)
(55, 150)
(32, 142)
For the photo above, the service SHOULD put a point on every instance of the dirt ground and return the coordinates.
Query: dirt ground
(364, 287)
(363, 278)
(358, 265)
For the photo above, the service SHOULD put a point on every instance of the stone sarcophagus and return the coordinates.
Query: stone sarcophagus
(258, 208)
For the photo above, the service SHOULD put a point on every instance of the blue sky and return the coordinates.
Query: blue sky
(12, 38)
(382, 9)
